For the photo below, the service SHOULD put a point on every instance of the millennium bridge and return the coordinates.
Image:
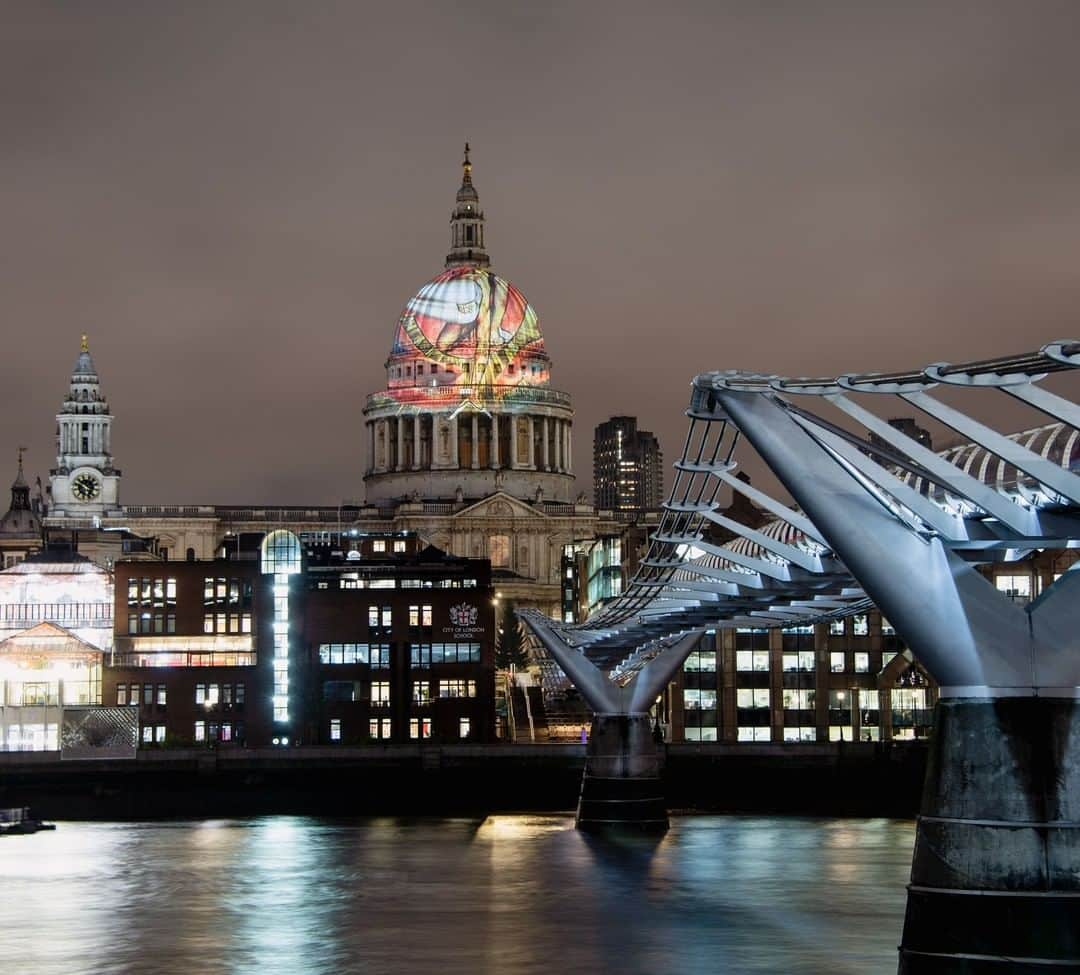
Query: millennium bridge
(881, 518)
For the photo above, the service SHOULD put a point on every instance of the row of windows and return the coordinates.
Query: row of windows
(426, 654)
(804, 699)
(383, 582)
(226, 623)
(57, 612)
(381, 728)
(804, 660)
(215, 731)
(376, 655)
(151, 623)
(210, 695)
(223, 591)
(147, 694)
(156, 593)
(380, 691)
(152, 734)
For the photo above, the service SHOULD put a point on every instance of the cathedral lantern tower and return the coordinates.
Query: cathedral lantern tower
(468, 410)
(84, 481)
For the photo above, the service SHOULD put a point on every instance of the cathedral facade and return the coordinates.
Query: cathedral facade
(467, 445)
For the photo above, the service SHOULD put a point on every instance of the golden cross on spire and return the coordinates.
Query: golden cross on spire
(85, 343)
(466, 165)
(21, 451)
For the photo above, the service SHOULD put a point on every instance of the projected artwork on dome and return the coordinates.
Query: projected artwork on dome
(467, 327)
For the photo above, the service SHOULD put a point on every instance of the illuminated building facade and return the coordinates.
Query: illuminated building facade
(628, 466)
(468, 445)
(20, 527)
(468, 410)
(56, 625)
(320, 638)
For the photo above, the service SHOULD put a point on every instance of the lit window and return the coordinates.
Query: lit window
(200, 731)
(860, 625)
(380, 692)
(378, 545)
(753, 734)
(464, 727)
(752, 697)
(1015, 587)
(121, 694)
(147, 734)
(335, 729)
(862, 663)
(837, 662)
(399, 545)
(200, 693)
(159, 734)
(414, 727)
(752, 660)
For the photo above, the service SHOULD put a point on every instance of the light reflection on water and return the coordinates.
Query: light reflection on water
(739, 894)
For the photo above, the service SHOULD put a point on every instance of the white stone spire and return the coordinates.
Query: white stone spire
(84, 479)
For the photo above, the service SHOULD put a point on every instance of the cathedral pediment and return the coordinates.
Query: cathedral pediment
(500, 505)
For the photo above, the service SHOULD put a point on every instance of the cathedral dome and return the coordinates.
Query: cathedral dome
(467, 327)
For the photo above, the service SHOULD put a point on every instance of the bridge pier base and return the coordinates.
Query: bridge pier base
(995, 877)
(621, 787)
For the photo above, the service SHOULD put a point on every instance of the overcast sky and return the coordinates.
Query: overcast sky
(235, 200)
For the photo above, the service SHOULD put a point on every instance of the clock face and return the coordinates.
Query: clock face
(86, 487)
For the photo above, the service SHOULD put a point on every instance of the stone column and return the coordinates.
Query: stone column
(569, 449)
(475, 457)
(531, 457)
(416, 442)
(400, 444)
(558, 445)
(454, 442)
(544, 459)
(371, 444)
(494, 440)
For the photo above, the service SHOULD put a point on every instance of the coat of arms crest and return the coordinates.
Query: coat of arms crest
(464, 615)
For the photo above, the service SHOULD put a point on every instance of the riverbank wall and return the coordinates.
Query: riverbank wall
(853, 778)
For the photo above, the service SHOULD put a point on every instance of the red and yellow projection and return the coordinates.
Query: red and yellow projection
(468, 328)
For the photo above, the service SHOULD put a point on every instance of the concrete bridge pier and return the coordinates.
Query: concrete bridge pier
(995, 878)
(621, 786)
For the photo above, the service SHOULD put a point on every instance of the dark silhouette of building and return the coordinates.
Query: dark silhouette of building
(628, 473)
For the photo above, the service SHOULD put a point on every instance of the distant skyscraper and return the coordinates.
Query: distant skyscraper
(628, 473)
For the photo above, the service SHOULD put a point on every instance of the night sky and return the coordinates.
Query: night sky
(235, 201)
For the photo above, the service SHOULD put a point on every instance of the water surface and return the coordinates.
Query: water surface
(502, 895)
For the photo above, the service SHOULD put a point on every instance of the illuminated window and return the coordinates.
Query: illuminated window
(380, 692)
(159, 734)
(161, 695)
(399, 545)
(862, 663)
(200, 693)
(200, 731)
(860, 625)
(837, 662)
(800, 734)
(457, 688)
(695, 700)
(121, 694)
(147, 734)
(280, 553)
(378, 545)
(753, 734)
(421, 692)
(752, 660)
(700, 661)
(752, 697)
(798, 699)
(499, 550)
(1015, 587)
(801, 661)
(335, 729)
(464, 727)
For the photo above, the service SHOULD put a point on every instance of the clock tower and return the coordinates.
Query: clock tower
(84, 481)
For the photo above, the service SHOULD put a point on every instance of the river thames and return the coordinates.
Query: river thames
(505, 894)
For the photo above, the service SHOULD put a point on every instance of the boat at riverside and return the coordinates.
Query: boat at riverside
(19, 822)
